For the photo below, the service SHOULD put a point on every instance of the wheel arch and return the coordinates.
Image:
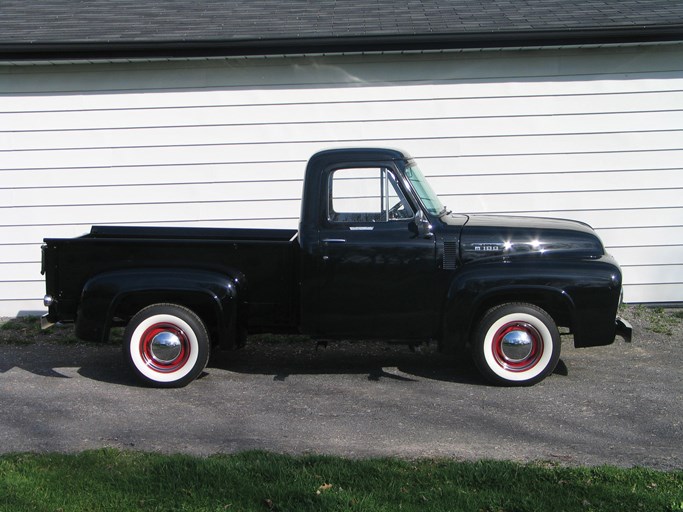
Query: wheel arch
(113, 298)
(465, 309)
(554, 301)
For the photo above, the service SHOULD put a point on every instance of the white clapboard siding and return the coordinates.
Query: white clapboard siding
(219, 173)
(592, 135)
(533, 164)
(20, 252)
(293, 148)
(168, 193)
(458, 128)
(653, 255)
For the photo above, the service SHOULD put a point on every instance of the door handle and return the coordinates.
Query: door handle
(326, 242)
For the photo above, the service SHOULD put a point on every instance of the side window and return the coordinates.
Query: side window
(369, 194)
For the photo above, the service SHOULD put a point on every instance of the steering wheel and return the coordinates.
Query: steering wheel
(393, 212)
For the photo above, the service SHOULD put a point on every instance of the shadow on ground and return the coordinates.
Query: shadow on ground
(105, 363)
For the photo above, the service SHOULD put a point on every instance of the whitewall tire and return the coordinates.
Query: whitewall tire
(516, 345)
(166, 345)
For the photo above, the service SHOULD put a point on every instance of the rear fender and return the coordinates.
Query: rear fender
(214, 296)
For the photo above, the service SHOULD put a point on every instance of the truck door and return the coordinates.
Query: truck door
(376, 272)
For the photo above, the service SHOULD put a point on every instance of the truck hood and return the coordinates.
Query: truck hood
(507, 237)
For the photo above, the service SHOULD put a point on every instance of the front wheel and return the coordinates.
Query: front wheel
(516, 345)
(166, 345)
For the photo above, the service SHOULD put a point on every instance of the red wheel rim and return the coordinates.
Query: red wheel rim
(164, 347)
(517, 346)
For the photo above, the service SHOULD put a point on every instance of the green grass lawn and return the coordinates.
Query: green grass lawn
(120, 481)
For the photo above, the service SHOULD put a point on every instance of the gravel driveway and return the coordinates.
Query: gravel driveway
(618, 405)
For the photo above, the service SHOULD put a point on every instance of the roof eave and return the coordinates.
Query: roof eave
(86, 50)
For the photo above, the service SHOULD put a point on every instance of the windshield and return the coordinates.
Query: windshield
(424, 191)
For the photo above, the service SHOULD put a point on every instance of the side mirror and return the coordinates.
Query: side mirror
(420, 225)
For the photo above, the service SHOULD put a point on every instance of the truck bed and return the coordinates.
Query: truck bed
(267, 259)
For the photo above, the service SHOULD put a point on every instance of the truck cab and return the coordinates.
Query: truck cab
(370, 265)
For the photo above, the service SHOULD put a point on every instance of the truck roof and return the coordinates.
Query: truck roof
(330, 156)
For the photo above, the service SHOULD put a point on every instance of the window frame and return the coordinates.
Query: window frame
(389, 176)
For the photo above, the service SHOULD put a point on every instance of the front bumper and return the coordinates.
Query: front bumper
(624, 329)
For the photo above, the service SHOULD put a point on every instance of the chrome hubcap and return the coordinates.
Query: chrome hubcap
(517, 345)
(166, 347)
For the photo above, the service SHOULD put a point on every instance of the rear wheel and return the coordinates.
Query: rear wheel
(166, 345)
(516, 345)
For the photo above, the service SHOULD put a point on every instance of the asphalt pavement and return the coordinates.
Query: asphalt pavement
(618, 405)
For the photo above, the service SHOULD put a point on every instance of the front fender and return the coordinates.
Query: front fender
(477, 288)
(582, 294)
(125, 291)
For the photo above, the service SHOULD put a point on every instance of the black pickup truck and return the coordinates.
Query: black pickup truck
(376, 255)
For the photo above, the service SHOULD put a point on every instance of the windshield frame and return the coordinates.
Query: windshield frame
(422, 190)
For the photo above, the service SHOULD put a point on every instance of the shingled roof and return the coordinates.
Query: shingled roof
(32, 29)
